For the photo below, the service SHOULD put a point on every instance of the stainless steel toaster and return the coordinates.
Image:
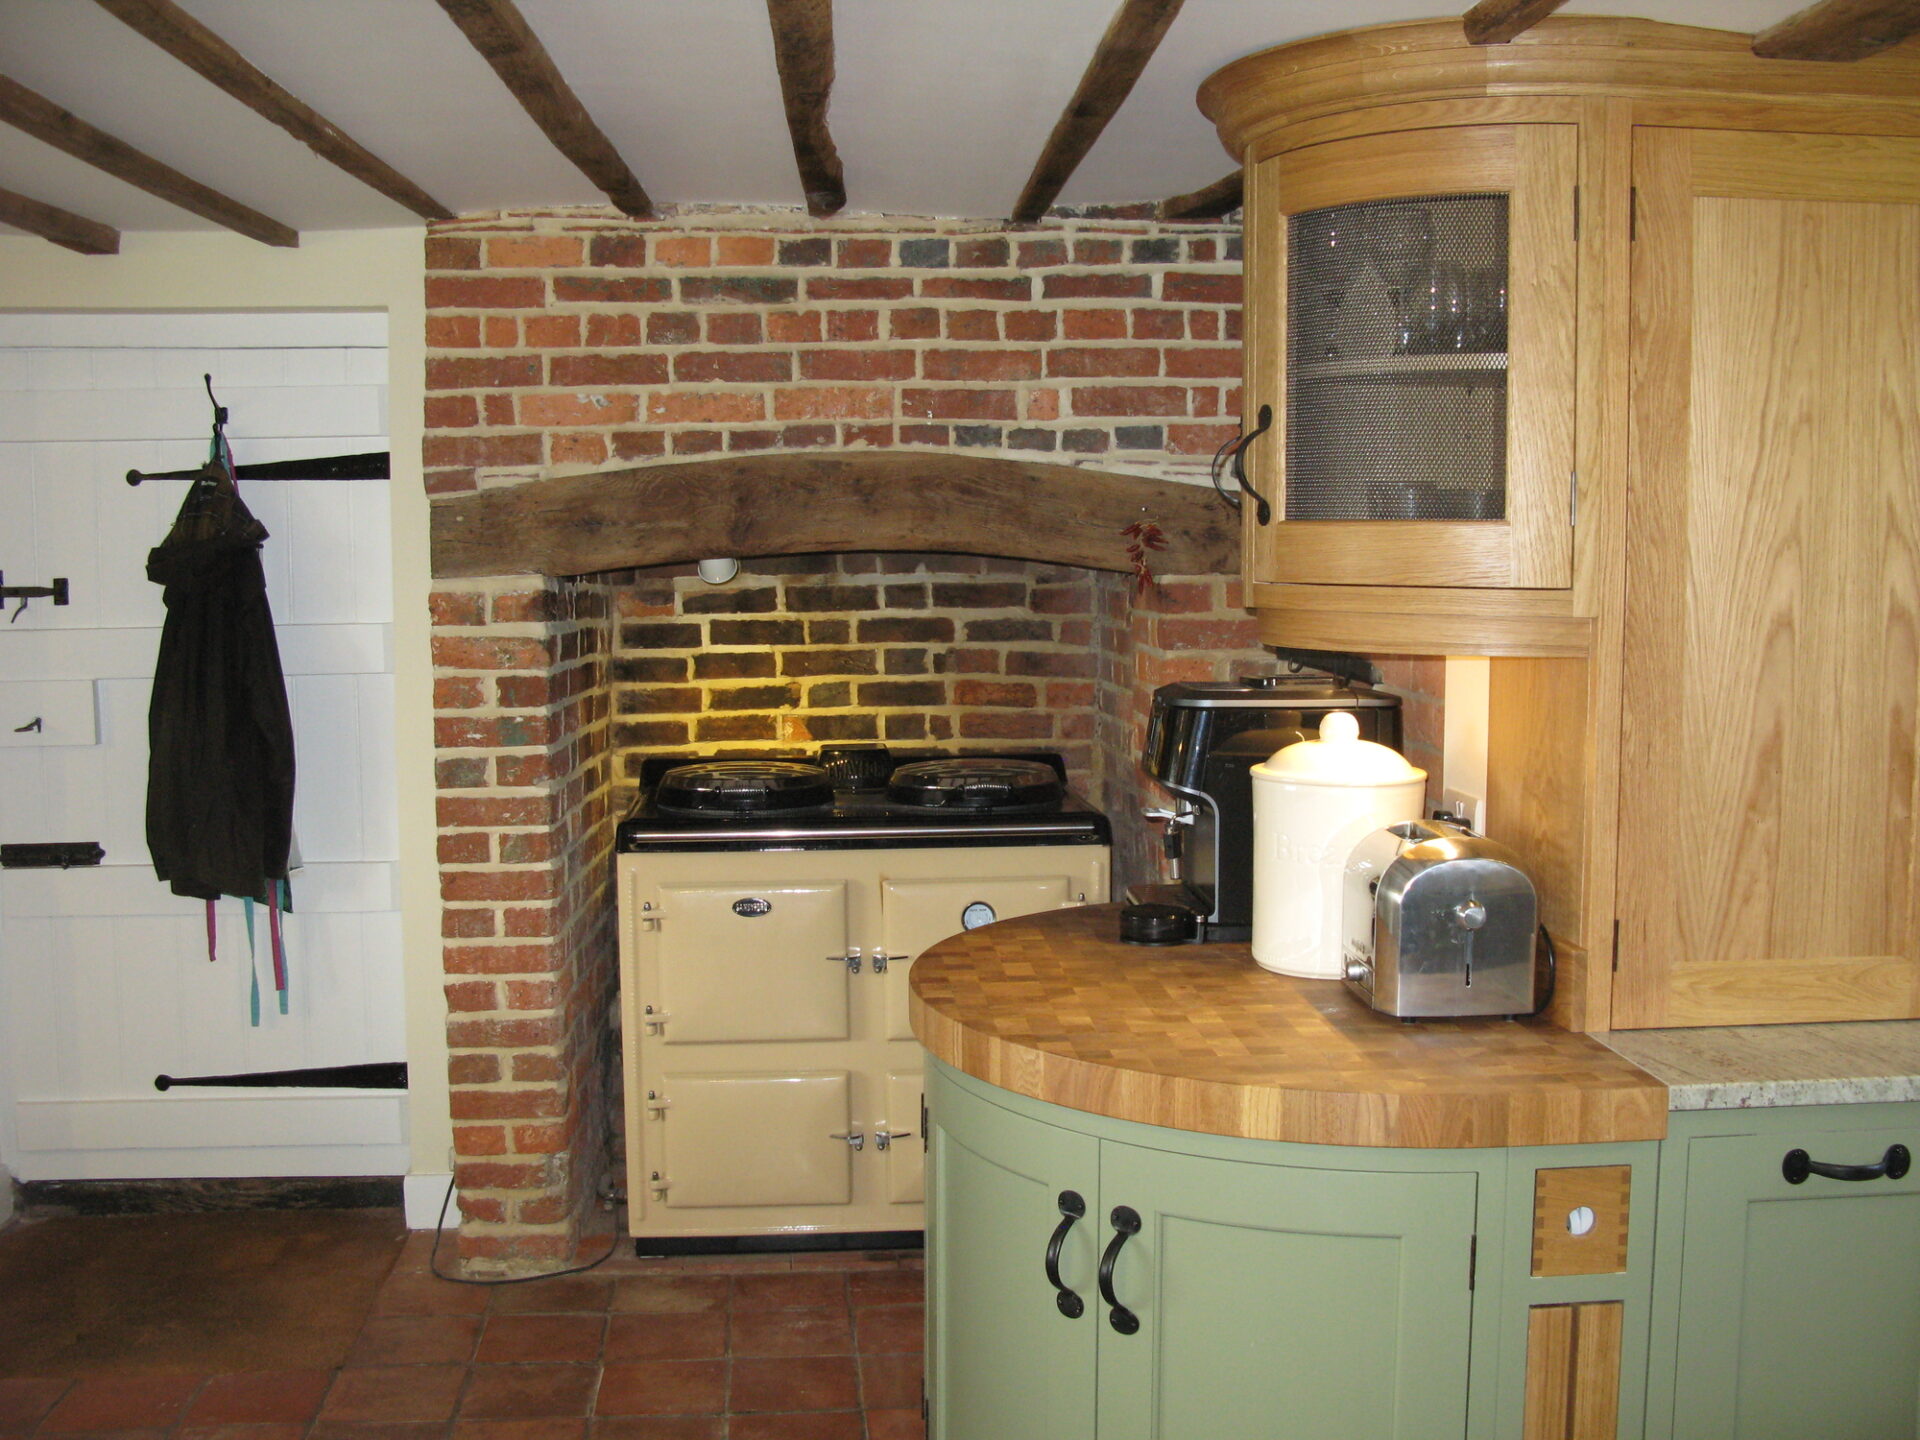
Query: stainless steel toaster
(1439, 921)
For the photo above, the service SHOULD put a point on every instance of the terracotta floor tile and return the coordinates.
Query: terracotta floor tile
(259, 1397)
(791, 1332)
(243, 1431)
(798, 1425)
(394, 1394)
(670, 1294)
(817, 1382)
(667, 1337)
(567, 1293)
(529, 1392)
(24, 1399)
(716, 1264)
(552, 1428)
(426, 1295)
(122, 1402)
(890, 1328)
(528, 1339)
(895, 1425)
(846, 1260)
(416, 1340)
(795, 1290)
(325, 1429)
(887, 1287)
(890, 1382)
(663, 1387)
(116, 1434)
(418, 1250)
(660, 1427)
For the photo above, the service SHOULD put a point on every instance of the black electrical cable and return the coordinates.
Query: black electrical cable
(433, 1257)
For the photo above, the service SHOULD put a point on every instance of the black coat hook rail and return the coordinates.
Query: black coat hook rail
(370, 465)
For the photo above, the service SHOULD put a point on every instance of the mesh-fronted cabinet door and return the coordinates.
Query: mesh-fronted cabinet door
(1412, 298)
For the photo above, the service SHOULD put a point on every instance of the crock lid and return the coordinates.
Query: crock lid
(1338, 757)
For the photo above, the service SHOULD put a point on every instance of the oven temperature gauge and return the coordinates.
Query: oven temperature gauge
(977, 914)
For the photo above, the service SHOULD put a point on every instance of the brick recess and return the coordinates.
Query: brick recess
(580, 340)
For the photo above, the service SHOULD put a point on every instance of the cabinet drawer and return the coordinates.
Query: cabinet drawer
(1580, 1220)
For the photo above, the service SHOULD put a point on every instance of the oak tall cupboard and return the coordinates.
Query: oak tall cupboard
(1670, 475)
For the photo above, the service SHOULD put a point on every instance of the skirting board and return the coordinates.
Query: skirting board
(424, 1194)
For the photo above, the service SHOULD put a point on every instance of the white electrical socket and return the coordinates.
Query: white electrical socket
(1471, 809)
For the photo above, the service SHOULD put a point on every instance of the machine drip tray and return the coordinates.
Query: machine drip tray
(1190, 899)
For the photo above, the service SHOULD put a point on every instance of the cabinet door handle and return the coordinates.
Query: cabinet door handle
(1072, 1207)
(1236, 455)
(1797, 1165)
(1126, 1222)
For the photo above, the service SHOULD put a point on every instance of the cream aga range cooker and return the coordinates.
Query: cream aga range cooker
(769, 910)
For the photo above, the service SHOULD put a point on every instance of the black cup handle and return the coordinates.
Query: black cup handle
(1072, 1207)
(1126, 1222)
(1797, 1165)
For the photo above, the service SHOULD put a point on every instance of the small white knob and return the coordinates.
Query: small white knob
(1580, 1220)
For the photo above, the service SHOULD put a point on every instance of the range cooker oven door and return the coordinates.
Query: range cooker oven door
(753, 962)
(916, 913)
(748, 1139)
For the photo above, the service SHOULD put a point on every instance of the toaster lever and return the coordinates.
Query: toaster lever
(1470, 914)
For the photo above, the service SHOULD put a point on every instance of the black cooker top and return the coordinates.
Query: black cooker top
(856, 795)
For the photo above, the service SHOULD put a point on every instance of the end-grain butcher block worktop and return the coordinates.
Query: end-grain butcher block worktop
(1198, 1037)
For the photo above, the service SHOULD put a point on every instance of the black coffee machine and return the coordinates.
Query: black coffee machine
(1202, 740)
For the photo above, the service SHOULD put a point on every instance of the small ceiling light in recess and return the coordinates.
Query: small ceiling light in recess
(718, 572)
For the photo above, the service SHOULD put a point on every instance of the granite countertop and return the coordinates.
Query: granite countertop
(1738, 1067)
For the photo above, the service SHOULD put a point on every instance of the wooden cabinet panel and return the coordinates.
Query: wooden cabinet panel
(1767, 811)
(1573, 1371)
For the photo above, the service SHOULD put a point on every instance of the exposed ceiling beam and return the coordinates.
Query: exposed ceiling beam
(62, 227)
(1495, 22)
(44, 120)
(194, 45)
(502, 36)
(1222, 197)
(1130, 41)
(803, 50)
(1839, 30)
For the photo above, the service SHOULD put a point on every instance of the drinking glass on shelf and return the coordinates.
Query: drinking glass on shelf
(1489, 331)
(1332, 247)
(1399, 243)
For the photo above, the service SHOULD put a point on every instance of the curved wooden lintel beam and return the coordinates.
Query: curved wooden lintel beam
(822, 503)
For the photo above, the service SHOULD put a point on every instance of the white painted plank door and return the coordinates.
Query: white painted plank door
(104, 977)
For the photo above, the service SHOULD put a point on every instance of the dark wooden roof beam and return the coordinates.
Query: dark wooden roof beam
(1222, 197)
(62, 227)
(1495, 22)
(1132, 37)
(1839, 30)
(197, 47)
(803, 50)
(46, 121)
(501, 34)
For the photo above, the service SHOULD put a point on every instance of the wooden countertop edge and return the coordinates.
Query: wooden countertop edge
(1538, 1115)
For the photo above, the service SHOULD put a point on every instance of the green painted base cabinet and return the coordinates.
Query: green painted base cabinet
(1281, 1292)
(1783, 1311)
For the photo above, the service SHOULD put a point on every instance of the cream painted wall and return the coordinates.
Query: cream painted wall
(339, 270)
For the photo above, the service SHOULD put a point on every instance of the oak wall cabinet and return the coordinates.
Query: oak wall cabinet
(1599, 353)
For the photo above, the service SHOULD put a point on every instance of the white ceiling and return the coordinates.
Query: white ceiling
(940, 106)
